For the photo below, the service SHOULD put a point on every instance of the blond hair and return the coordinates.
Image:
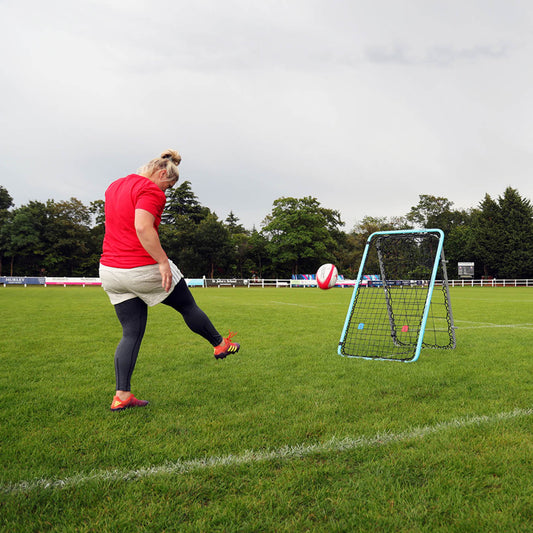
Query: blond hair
(169, 160)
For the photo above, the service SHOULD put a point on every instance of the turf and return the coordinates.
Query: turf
(284, 436)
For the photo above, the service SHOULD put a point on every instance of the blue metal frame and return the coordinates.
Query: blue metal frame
(428, 298)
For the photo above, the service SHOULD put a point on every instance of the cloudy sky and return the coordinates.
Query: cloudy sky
(363, 105)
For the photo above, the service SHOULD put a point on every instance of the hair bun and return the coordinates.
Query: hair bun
(172, 155)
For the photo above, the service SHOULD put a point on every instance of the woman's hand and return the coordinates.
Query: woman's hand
(166, 275)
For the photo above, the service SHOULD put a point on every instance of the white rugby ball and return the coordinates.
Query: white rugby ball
(326, 276)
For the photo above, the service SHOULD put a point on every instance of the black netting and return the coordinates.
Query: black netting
(386, 318)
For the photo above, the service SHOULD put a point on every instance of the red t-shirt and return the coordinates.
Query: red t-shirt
(122, 248)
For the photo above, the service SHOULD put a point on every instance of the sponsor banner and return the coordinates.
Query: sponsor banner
(228, 282)
(302, 282)
(71, 281)
(195, 282)
(309, 280)
(396, 283)
(21, 280)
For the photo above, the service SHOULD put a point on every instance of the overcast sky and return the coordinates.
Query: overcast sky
(363, 105)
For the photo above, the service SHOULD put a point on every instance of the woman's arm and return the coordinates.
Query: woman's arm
(147, 234)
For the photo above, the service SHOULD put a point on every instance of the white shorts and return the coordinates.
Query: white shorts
(142, 282)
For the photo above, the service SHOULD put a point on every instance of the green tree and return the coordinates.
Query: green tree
(92, 223)
(428, 209)
(459, 246)
(24, 235)
(52, 238)
(180, 231)
(301, 235)
(434, 212)
(356, 242)
(488, 242)
(437, 212)
(182, 202)
(232, 223)
(239, 241)
(97, 210)
(517, 214)
(6, 202)
(258, 260)
(178, 240)
(67, 238)
(96, 236)
(213, 245)
(503, 236)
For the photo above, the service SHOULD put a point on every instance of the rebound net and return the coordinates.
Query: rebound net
(401, 301)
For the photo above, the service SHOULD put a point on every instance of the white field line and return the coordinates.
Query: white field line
(250, 457)
(296, 305)
(479, 325)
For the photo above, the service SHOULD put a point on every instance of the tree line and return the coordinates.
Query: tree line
(65, 238)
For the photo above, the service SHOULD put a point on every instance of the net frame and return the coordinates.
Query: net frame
(388, 319)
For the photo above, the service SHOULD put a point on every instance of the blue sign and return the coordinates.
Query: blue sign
(21, 280)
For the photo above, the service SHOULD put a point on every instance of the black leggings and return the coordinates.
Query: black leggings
(133, 314)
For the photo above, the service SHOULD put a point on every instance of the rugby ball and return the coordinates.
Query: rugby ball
(326, 276)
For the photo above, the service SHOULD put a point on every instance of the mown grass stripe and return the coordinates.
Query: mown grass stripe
(479, 325)
(248, 457)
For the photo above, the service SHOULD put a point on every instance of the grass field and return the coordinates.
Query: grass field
(285, 436)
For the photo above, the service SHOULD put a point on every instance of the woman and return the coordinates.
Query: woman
(136, 272)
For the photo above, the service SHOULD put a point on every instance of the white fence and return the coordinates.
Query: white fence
(250, 283)
(491, 283)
